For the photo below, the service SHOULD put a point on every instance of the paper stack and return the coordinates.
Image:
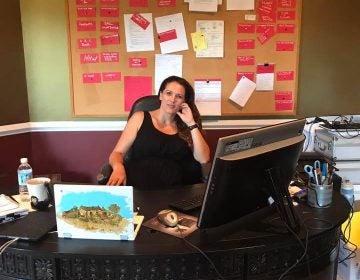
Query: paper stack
(10, 210)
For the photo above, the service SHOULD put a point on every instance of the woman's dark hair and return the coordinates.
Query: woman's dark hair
(183, 130)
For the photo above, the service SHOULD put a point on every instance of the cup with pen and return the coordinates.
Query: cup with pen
(320, 186)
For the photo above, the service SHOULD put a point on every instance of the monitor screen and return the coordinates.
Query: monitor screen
(250, 171)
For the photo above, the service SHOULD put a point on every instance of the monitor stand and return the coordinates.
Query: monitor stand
(282, 199)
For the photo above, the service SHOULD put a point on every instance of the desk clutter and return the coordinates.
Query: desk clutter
(10, 210)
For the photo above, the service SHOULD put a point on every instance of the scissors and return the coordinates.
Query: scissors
(309, 170)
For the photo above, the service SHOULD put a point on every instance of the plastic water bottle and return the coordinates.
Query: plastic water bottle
(24, 173)
(347, 190)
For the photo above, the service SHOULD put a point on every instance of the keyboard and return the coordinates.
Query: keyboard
(186, 205)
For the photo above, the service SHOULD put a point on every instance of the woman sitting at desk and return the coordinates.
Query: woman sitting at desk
(166, 145)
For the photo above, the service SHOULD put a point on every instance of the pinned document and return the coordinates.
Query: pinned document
(242, 91)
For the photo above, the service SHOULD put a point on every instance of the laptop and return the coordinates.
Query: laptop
(32, 227)
(94, 212)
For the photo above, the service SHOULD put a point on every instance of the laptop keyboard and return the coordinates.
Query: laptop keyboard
(186, 205)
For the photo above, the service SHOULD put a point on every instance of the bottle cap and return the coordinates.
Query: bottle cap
(23, 160)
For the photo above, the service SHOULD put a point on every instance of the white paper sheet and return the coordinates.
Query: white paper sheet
(241, 5)
(214, 33)
(138, 39)
(265, 81)
(172, 22)
(165, 66)
(203, 5)
(242, 91)
(208, 96)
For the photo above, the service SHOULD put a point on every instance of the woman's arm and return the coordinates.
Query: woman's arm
(201, 150)
(116, 158)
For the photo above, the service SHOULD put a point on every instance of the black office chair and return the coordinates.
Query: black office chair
(145, 103)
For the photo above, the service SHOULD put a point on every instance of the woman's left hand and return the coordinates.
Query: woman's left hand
(185, 114)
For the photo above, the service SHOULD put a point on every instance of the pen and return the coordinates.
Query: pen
(323, 172)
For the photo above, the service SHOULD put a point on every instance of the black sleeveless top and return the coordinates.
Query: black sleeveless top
(157, 160)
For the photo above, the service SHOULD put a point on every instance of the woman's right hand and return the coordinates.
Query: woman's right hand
(118, 176)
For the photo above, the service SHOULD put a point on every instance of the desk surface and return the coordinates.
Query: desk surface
(248, 252)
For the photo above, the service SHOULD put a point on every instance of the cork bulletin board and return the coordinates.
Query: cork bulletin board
(264, 40)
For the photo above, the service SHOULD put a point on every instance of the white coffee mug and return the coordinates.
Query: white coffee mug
(39, 192)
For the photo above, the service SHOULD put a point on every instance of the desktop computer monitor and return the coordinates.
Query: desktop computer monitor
(250, 171)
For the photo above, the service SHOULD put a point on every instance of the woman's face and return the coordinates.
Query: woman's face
(172, 97)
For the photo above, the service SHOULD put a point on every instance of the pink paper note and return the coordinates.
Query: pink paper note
(86, 12)
(166, 3)
(86, 25)
(286, 3)
(110, 39)
(285, 76)
(266, 36)
(140, 21)
(87, 43)
(245, 44)
(109, 57)
(85, 2)
(167, 35)
(245, 28)
(285, 28)
(109, 12)
(137, 62)
(111, 76)
(283, 95)
(109, 2)
(245, 60)
(109, 26)
(89, 78)
(283, 105)
(286, 15)
(89, 58)
(249, 75)
(136, 87)
(285, 46)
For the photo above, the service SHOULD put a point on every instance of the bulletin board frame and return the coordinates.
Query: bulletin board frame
(96, 97)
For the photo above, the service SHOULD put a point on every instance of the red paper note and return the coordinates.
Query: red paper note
(140, 21)
(137, 62)
(109, 2)
(109, 57)
(283, 95)
(111, 76)
(283, 105)
(285, 75)
(109, 12)
(167, 35)
(245, 28)
(249, 75)
(89, 78)
(245, 60)
(110, 39)
(86, 12)
(286, 3)
(136, 87)
(85, 2)
(109, 26)
(166, 3)
(89, 58)
(285, 28)
(286, 15)
(86, 25)
(245, 44)
(87, 43)
(285, 46)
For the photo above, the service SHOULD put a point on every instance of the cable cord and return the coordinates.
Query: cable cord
(7, 244)
(305, 247)
(202, 253)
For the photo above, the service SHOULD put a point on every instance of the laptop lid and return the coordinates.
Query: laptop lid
(32, 227)
(94, 211)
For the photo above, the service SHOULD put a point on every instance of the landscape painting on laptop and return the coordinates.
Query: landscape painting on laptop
(94, 212)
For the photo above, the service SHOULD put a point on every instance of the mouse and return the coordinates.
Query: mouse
(168, 218)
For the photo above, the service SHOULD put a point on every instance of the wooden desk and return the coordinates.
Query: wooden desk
(251, 252)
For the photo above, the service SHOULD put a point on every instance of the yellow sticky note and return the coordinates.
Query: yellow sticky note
(199, 41)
